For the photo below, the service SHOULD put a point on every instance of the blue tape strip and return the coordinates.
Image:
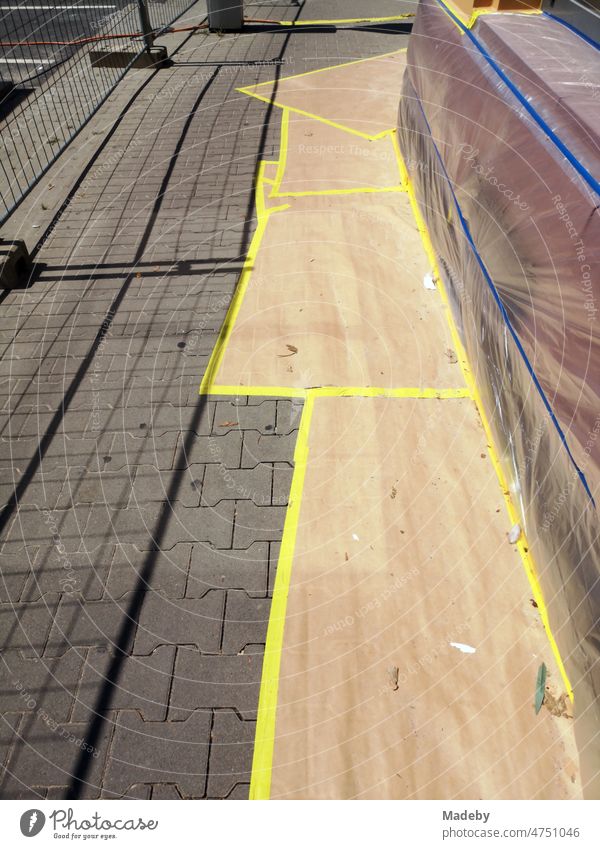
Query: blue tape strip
(574, 29)
(503, 311)
(581, 170)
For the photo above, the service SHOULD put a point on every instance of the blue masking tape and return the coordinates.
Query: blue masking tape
(504, 313)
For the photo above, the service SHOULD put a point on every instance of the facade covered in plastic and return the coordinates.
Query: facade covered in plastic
(499, 126)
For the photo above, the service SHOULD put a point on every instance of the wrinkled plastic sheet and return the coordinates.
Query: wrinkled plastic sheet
(514, 221)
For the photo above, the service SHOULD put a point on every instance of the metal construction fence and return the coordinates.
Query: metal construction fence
(48, 86)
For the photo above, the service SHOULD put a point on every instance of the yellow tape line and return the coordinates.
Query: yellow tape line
(522, 545)
(401, 169)
(283, 150)
(301, 23)
(262, 762)
(263, 214)
(267, 391)
(312, 115)
(282, 165)
(249, 91)
(245, 90)
(477, 13)
(340, 391)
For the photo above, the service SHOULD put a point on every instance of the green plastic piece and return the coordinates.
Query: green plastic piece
(540, 687)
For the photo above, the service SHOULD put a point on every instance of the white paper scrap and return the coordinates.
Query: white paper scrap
(464, 648)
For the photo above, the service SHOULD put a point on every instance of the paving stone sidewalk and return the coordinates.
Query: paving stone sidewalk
(141, 523)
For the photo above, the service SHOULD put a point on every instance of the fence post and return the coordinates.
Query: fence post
(225, 15)
(145, 25)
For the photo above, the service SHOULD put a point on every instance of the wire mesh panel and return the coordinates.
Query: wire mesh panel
(48, 87)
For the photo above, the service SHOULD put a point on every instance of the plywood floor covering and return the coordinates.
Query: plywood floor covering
(411, 646)
(401, 551)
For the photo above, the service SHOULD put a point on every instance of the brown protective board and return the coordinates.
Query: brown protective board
(401, 549)
(321, 158)
(336, 298)
(362, 96)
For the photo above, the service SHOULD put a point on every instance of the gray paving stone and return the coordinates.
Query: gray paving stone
(34, 424)
(237, 484)
(192, 622)
(151, 420)
(143, 684)
(44, 495)
(158, 485)
(34, 684)
(57, 792)
(15, 568)
(225, 450)
(215, 682)
(168, 575)
(254, 523)
(165, 791)
(160, 525)
(241, 791)
(90, 623)
(282, 481)
(261, 417)
(47, 753)
(58, 571)
(244, 569)
(25, 627)
(139, 791)
(119, 450)
(267, 449)
(159, 753)
(83, 486)
(34, 526)
(246, 621)
(9, 726)
(289, 413)
(232, 745)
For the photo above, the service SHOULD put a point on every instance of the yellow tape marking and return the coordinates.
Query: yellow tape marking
(522, 545)
(249, 90)
(322, 70)
(340, 391)
(282, 165)
(301, 23)
(401, 169)
(478, 12)
(263, 214)
(262, 762)
(312, 115)
(267, 391)
(283, 150)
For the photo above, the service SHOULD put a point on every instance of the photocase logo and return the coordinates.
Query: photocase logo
(32, 822)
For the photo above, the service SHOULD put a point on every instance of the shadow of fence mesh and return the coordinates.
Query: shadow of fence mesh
(48, 86)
